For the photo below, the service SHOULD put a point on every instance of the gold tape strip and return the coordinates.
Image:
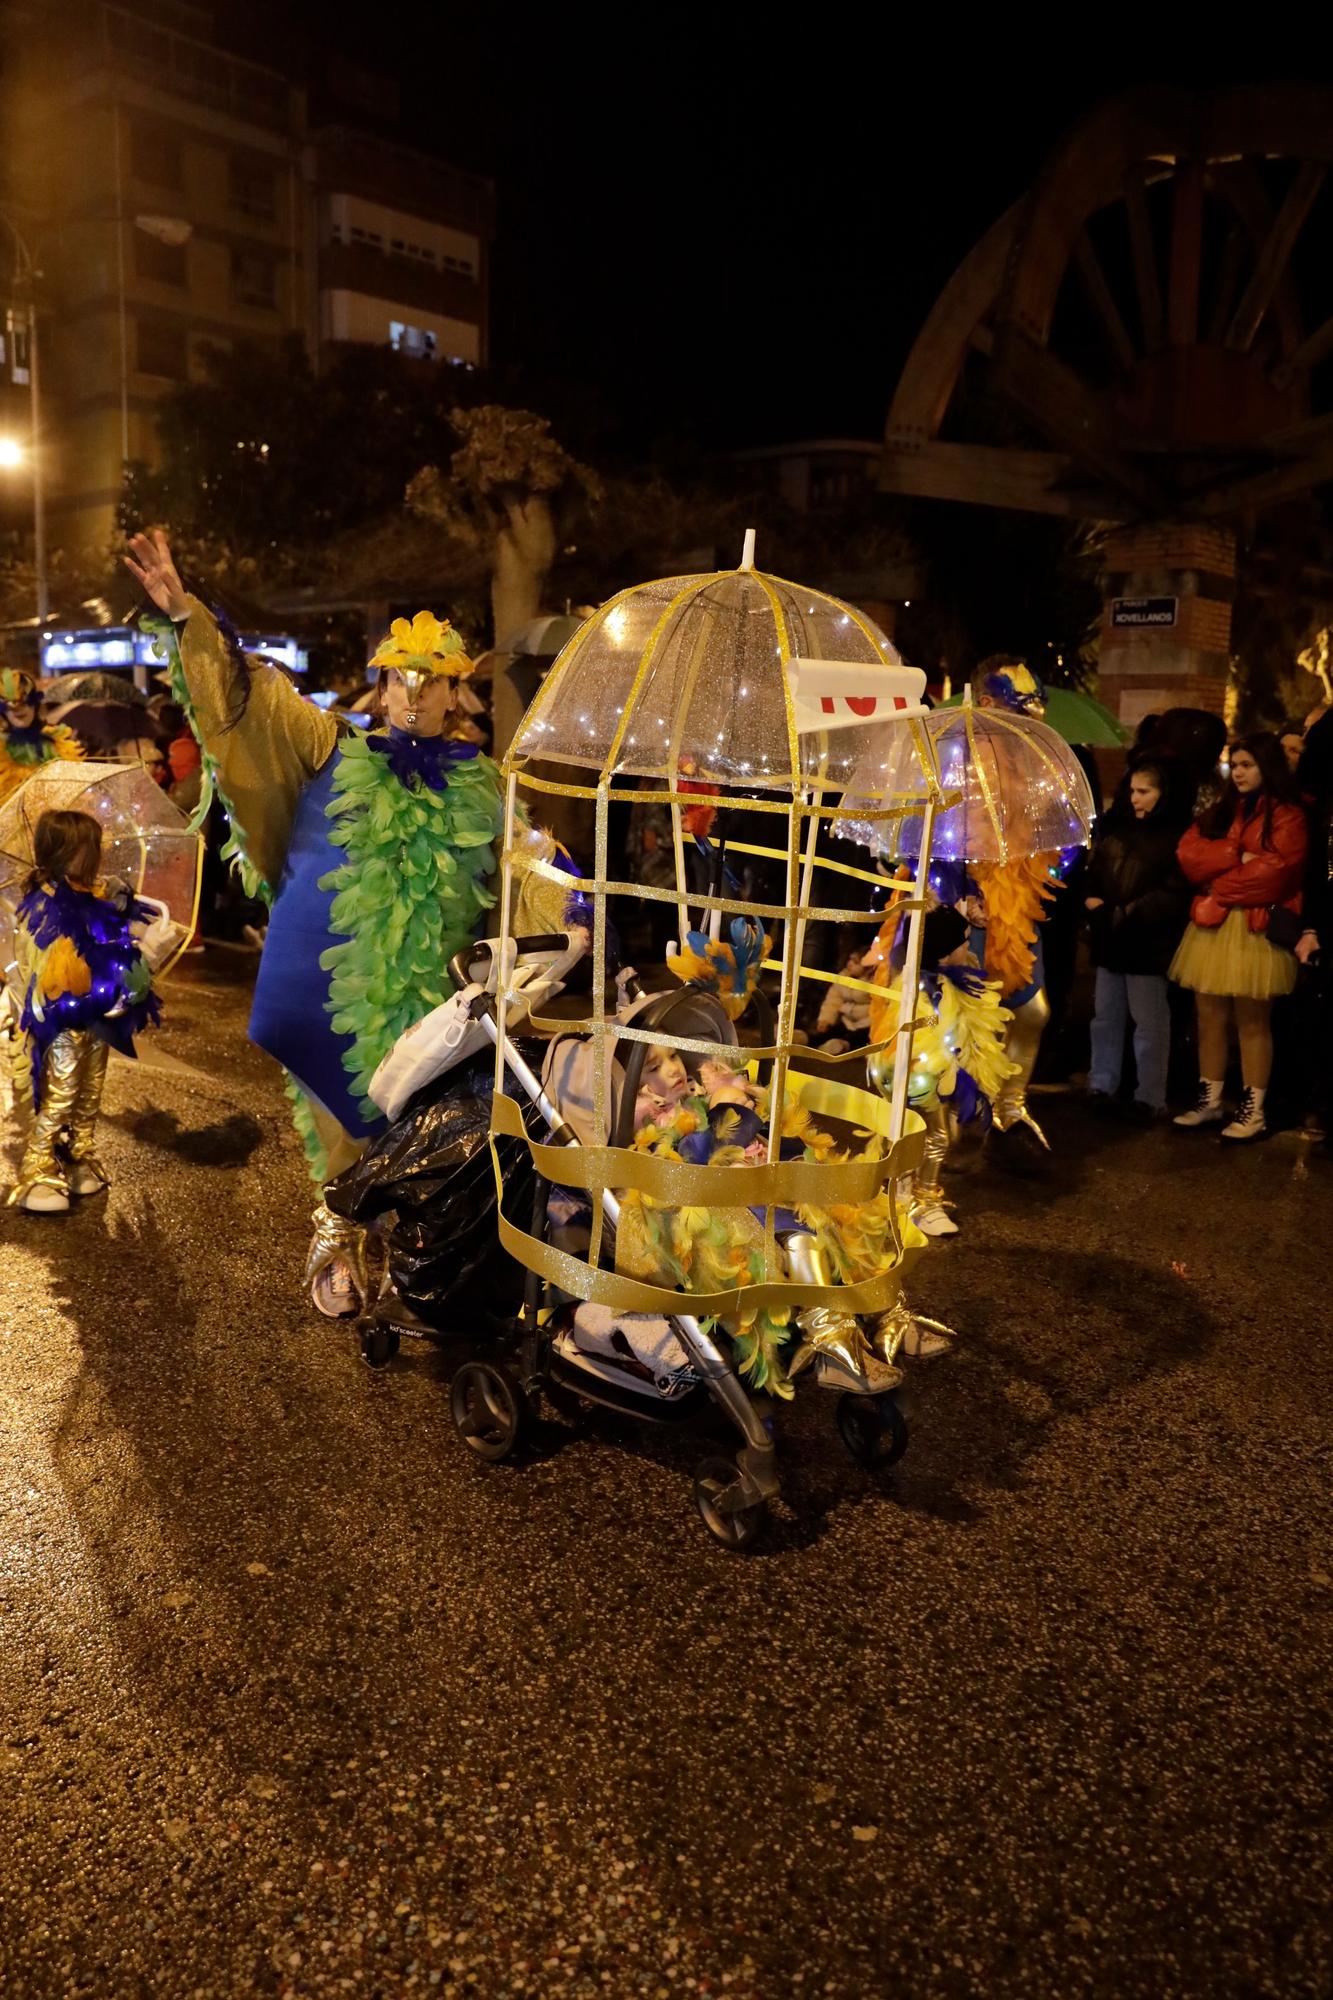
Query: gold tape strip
(839, 978)
(983, 780)
(832, 867)
(610, 1288)
(666, 795)
(555, 1025)
(864, 1110)
(599, 887)
(658, 1038)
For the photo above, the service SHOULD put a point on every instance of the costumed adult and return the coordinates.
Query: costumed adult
(25, 740)
(1014, 896)
(959, 1066)
(1137, 900)
(375, 850)
(1314, 948)
(1245, 858)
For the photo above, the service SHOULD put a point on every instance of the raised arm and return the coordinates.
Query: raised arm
(263, 741)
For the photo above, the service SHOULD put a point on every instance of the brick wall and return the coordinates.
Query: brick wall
(1173, 545)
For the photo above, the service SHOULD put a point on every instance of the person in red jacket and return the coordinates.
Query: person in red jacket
(1244, 857)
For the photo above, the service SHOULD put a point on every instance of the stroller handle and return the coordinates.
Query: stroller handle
(460, 965)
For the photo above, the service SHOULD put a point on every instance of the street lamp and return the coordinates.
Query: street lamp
(11, 452)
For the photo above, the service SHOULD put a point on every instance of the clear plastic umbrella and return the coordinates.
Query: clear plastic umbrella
(702, 669)
(147, 844)
(1018, 789)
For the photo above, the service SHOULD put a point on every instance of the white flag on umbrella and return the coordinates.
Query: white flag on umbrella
(841, 694)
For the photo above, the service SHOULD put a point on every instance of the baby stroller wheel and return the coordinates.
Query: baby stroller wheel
(723, 1496)
(873, 1428)
(379, 1343)
(489, 1410)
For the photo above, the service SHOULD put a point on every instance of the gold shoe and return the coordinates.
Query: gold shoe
(1008, 1116)
(335, 1268)
(840, 1354)
(897, 1333)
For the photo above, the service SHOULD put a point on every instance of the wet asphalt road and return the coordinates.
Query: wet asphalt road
(298, 1700)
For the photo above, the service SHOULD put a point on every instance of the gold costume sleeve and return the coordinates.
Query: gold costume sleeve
(268, 755)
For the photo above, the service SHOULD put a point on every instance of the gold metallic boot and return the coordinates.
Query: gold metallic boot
(1021, 1046)
(833, 1343)
(898, 1333)
(43, 1186)
(86, 1175)
(335, 1269)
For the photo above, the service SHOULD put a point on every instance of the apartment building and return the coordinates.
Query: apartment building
(177, 198)
(401, 247)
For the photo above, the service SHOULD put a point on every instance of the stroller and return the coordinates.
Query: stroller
(690, 685)
(431, 1191)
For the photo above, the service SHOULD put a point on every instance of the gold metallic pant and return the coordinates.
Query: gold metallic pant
(926, 1189)
(1021, 1045)
(62, 1131)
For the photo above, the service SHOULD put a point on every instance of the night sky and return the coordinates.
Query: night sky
(728, 235)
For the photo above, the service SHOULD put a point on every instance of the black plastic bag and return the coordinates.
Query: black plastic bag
(427, 1187)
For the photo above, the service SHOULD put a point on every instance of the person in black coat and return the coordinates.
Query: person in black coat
(1138, 903)
(1314, 775)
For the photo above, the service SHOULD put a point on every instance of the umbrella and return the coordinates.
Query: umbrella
(102, 726)
(1076, 717)
(1022, 790)
(542, 637)
(146, 840)
(96, 685)
(709, 674)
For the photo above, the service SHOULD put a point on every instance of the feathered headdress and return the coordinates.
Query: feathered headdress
(1018, 688)
(425, 645)
(15, 685)
(728, 967)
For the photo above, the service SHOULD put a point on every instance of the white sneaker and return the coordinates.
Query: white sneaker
(933, 1220)
(334, 1293)
(1208, 1109)
(1248, 1122)
(85, 1179)
(45, 1198)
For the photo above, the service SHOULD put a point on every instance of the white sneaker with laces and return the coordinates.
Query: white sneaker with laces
(1248, 1122)
(933, 1220)
(1208, 1109)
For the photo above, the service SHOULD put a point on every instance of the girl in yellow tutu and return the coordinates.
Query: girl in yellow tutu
(1244, 857)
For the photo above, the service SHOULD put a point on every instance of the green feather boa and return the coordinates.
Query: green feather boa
(407, 897)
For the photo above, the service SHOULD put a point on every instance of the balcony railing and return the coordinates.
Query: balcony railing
(183, 67)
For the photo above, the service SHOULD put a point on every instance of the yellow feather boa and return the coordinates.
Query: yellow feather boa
(1016, 894)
